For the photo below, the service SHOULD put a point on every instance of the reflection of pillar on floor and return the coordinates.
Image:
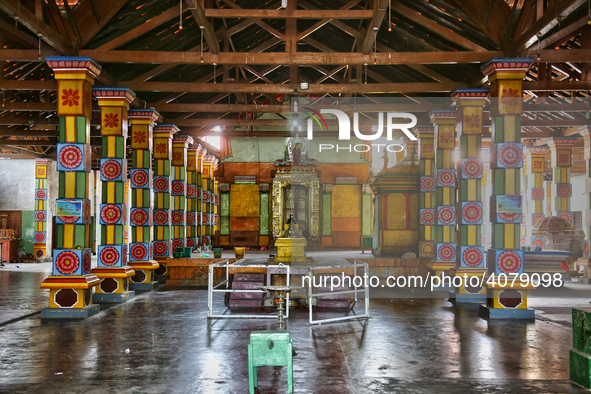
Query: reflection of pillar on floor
(444, 122)
(427, 191)
(585, 261)
(192, 153)
(141, 259)
(534, 167)
(112, 266)
(162, 155)
(71, 282)
(178, 189)
(470, 261)
(506, 299)
(41, 235)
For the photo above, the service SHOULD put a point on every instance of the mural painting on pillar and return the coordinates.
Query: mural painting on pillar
(427, 190)
(470, 261)
(41, 235)
(162, 157)
(112, 256)
(444, 122)
(506, 300)
(71, 281)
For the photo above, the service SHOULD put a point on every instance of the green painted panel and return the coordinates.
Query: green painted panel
(366, 215)
(326, 215)
(225, 225)
(225, 204)
(28, 232)
(264, 214)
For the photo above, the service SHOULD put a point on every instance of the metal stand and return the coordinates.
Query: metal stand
(358, 289)
(211, 289)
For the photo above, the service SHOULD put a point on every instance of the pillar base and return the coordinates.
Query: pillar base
(112, 298)
(70, 313)
(467, 298)
(494, 313)
(586, 281)
(144, 286)
(580, 368)
(444, 287)
(161, 278)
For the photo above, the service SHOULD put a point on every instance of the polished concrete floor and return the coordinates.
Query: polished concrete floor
(162, 342)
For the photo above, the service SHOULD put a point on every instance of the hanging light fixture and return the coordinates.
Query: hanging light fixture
(202, 28)
(180, 14)
(390, 15)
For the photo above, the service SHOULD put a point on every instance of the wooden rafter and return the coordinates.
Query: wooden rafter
(31, 22)
(435, 27)
(379, 11)
(491, 16)
(144, 28)
(89, 26)
(287, 14)
(199, 16)
(544, 25)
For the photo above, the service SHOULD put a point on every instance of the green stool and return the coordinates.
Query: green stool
(269, 348)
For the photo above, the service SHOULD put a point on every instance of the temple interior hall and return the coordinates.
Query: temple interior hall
(295, 196)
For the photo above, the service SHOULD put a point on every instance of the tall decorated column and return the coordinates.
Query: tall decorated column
(141, 259)
(200, 180)
(534, 166)
(470, 260)
(192, 185)
(561, 151)
(112, 257)
(585, 261)
(161, 246)
(178, 189)
(427, 193)
(41, 237)
(445, 194)
(71, 281)
(208, 199)
(506, 299)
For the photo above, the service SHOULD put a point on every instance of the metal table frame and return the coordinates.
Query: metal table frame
(211, 289)
(358, 289)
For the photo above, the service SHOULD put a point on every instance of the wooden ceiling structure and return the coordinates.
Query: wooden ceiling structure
(208, 63)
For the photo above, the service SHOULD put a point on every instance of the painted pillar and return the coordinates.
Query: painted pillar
(216, 207)
(561, 150)
(427, 194)
(112, 268)
(178, 190)
(200, 181)
(41, 236)
(534, 167)
(141, 259)
(444, 122)
(207, 199)
(192, 153)
(264, 198)
(162, 155)
(71, 281)
(470, 261)
(506, 300)
(486, 191)
(585, 261)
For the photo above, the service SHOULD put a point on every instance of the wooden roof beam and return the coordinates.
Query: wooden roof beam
(202, 22)
(379, 11)
(35, 25)
(434, 27)
(287, 14)
(267, 58)
(89, 26)
(543, 25)
(144, 28)
(560, 36)
(492, 18)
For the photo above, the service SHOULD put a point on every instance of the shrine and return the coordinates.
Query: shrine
(340, 196)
